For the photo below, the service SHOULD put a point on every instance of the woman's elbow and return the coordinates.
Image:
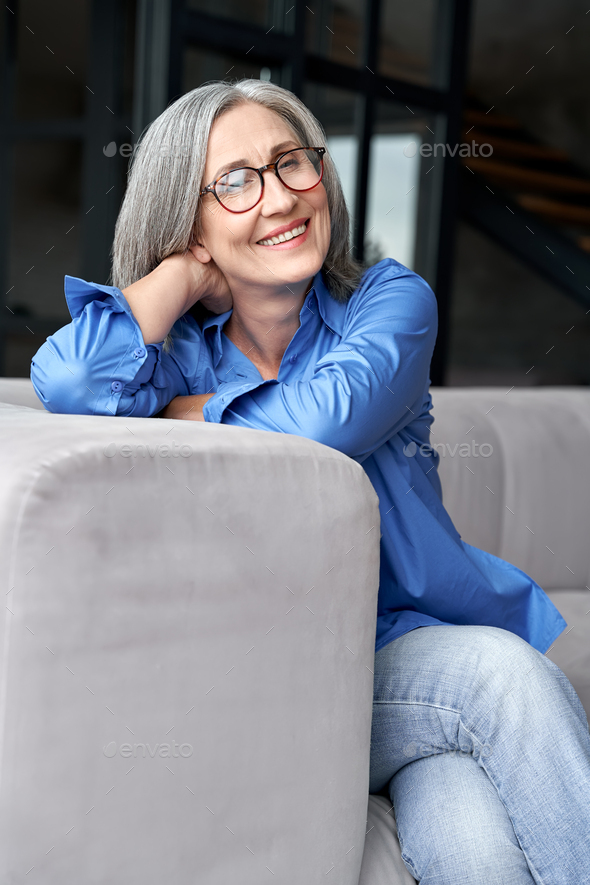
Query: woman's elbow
(61, 388)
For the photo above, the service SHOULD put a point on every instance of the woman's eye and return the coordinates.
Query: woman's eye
(228, 187)
(235, 180)
(232, 180)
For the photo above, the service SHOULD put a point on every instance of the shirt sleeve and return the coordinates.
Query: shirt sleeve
(364, 390)
(99, 363)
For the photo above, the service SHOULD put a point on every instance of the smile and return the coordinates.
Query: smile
(284, 237)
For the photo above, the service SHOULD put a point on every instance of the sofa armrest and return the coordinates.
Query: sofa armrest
(187, 653)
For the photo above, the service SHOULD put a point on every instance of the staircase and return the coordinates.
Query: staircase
(530, 198)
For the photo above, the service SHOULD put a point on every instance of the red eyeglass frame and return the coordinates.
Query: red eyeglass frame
(210, 189)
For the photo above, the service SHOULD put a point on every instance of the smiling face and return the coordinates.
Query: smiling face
(242, 244)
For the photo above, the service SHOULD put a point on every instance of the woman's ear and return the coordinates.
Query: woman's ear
(200, 252)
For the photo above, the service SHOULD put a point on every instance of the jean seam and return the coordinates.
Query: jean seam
(511, 817)
(405, 857)
(418, 704)
(412, 868)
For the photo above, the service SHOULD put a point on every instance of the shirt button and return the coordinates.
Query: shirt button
(116, 386)
(310, 301)
(293, 359)
(138, 352)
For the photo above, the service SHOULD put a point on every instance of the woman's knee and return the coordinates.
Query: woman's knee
(474, 670)
(501, 646)
(507, 660)
(477, 655)
(526, 689)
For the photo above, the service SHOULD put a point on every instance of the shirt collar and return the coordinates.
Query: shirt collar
(332, 313)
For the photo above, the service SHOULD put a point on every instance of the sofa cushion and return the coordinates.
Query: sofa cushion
(571, 650)
(528, 499)
(382, 858)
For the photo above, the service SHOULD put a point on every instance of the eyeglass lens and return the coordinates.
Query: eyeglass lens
(240, 189)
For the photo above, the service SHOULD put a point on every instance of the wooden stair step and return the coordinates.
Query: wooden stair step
(508, 147)
(566, 213)
(521, 178)
(490, 120)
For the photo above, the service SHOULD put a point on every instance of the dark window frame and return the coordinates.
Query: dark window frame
(164, 28)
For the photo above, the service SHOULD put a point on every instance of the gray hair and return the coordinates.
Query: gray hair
(160, 214)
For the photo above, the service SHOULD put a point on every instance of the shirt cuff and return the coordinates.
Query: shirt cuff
(227, 392)
(79, 293)
(140, 362)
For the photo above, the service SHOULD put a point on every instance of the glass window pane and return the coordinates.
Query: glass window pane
(395, 169)
(264, 13)
(44, 224)
(344, 152)
(406, 40)
(44, 245)
(335, 109)
(51, 59)
(200, 66)
(334, 30)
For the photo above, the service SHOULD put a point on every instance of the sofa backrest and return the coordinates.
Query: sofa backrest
(19, 392)
(516, 478)
(514, 469)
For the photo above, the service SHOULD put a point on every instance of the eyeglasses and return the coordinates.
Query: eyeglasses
(241, 189)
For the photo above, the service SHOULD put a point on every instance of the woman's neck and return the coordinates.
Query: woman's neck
(262, 327)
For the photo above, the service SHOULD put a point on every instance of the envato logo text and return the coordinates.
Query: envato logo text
(415, 749)
(163, 450)
(164, 750)
(434, 150)
(164, 150)
(463, 450)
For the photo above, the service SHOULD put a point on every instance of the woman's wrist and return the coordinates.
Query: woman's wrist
(186, 408)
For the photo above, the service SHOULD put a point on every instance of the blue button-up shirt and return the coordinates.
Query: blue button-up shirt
(355, 376)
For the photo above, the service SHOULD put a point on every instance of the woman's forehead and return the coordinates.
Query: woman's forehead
(247, 132)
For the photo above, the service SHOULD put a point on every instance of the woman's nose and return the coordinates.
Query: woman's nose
(277, 198)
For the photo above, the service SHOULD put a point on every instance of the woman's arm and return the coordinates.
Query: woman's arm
(364, 390)
(110, 358)
(187, 408)
(159, 299)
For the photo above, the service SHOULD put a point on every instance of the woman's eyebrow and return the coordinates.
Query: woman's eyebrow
(245, 162)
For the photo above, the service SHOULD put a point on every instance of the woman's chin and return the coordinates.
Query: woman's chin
(294, 268)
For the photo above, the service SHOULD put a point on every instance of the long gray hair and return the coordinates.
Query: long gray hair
(160, 214)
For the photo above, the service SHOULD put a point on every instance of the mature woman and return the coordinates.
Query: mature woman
(234, 202)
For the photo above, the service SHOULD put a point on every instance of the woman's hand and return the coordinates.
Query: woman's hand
(165, 294)
(186, 408)
(211, 287)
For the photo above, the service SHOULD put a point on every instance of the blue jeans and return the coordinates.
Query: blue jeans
(484, 747)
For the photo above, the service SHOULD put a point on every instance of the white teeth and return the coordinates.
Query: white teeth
(282, 238)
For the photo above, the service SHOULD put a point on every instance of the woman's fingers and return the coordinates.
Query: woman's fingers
(210, 285)
(218, 298)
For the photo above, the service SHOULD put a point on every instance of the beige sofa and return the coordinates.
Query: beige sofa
(188, 636)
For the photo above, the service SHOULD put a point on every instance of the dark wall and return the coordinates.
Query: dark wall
(505, 317)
